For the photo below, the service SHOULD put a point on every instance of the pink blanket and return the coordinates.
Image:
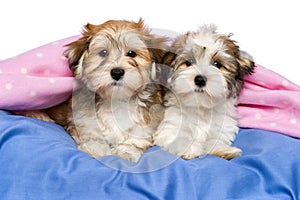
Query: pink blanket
(41, 78)
(36, 79)
(271, 102)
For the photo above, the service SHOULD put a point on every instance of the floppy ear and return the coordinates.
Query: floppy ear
(161, 71)
(246, 64)
(167, 67)
(76, 49)
(168, 59)
(246, 67)
(157, 45)
(157, 48)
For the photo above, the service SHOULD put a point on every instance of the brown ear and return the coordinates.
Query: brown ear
(246, 63)
(166, 67)
(168, 58)
(158, 49)
(246, 66)
(76, 49)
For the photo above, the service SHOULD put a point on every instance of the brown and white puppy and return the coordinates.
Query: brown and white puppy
(206, 78)
(117, 107)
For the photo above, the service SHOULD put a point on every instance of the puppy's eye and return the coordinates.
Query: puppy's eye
(217, 64)
(189, 62)
(131, 53)
(103, 53)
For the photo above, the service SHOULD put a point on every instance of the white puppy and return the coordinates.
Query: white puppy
(206, 78)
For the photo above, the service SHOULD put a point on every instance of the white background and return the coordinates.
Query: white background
(267, 29)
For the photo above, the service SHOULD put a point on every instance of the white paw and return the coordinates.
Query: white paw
(192, 152)
(128, 152)
(227, 152)
(95, 149)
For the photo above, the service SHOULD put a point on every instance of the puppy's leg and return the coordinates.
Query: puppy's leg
(181, 141)
(227, 153)
(193, 151)
(37, 114)
(184, 146)
(132, 148)
(88, 142)
(95, 148)
(222, 150)
(138, 140)
(165, 137)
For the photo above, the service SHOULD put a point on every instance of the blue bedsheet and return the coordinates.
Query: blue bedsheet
(38, 160)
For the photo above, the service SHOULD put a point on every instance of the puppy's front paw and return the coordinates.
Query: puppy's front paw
(128, 152)
(227, 153)
(95, 148)
(191, 153)
(188, 156)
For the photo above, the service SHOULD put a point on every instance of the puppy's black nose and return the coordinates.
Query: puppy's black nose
(200, 80)
(117, 73)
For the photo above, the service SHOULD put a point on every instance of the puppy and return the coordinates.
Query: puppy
(206, 78)
(117, 107)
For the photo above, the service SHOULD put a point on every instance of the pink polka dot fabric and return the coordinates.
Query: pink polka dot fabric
(271, 102)
(36, 79)
(41, 78)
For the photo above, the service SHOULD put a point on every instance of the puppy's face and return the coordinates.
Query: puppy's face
(207, 67)
(113, 59)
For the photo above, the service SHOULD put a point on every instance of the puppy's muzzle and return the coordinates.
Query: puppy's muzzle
(200, 80)
(117, 73)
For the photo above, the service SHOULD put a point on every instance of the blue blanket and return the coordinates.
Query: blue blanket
(39, 160)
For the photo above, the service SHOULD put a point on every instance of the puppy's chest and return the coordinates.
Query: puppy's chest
(121, 114)
(193, 117)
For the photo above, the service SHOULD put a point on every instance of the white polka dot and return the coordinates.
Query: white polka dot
(293, 121)
(0, 71)
(285, 83)
(39, 55)
(23, 70)
(51, 80)
(8, 86)
(257, 116)
(32, 93)
(276, 110)
(273, 124)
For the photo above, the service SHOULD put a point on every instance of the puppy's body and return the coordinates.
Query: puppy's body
(200, 116)
(120, 127)
(117, 106)
(193, 131)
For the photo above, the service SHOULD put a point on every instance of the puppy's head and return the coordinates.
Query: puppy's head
(114, 58)
(207, 66)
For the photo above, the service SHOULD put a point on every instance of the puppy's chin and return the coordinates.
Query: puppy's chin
(116, 92)
(121, 90)
(199, 99)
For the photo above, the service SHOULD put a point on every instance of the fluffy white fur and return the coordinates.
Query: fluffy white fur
(201, 118)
